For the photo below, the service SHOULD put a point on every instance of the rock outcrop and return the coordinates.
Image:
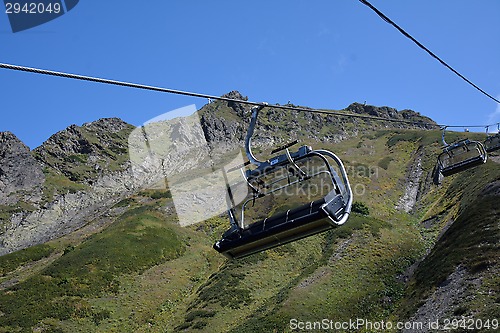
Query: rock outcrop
(86, 172)
(83, 153)
(392, 113)
(21, 176)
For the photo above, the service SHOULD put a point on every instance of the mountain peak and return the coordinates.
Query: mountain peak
(80, 151)
(110, 125)
(235, 94)
(7, 136)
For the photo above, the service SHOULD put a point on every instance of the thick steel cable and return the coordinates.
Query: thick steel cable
(401, 30)
(221, 98)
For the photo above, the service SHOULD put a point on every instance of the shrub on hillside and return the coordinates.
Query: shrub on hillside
(360, 208)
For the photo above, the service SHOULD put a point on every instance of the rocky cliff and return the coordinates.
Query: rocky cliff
(21, 175)
(72, 178)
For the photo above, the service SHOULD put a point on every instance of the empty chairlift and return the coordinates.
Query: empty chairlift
(492, 142)
(290, 196)
(460, 155)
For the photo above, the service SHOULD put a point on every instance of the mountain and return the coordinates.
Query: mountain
(91, 241)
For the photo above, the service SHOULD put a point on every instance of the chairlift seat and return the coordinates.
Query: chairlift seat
(462, 166)
(306, 220)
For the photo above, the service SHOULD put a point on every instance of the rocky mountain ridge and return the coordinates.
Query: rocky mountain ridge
(227, 122)
(78, 174)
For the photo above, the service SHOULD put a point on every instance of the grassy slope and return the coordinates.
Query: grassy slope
(470, 242)
(144, 273)
(64, 290)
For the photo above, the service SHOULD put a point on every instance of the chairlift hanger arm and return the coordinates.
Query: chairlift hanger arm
(442, 136)
(248, 139)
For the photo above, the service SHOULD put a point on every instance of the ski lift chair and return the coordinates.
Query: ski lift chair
(461, 155)
(492, 143)
(264, 219)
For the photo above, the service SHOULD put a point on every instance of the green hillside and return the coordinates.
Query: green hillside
(137, 270)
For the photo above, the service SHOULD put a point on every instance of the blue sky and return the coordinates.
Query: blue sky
(323, 54)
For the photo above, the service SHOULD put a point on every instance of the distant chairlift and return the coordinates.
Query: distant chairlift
(305, 184)
(492, 143)
(461, 155)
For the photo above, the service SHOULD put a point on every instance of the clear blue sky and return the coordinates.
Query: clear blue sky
(323, 54)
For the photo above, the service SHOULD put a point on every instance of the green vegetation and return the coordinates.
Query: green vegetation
(350, 277)
(57, 183)
(156, 194)
(470, 242)
(384, 162)
(125, 202)
(413, 136)
(11, 261)
(140, 240)
(360, 208)
(429, 137)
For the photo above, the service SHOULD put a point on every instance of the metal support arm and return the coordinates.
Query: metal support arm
(251, 128)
